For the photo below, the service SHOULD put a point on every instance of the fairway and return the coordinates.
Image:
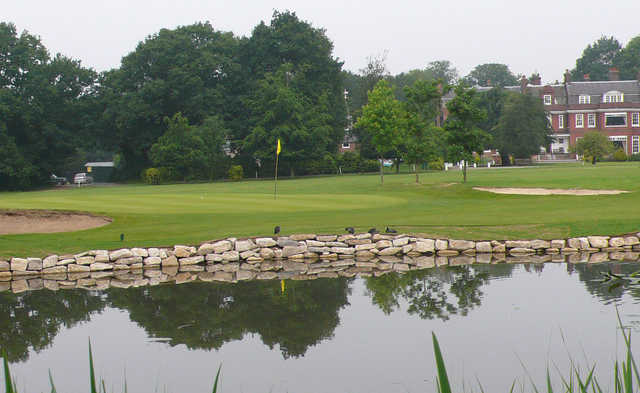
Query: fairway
(439, 206)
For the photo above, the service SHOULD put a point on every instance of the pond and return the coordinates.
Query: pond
(370, 334)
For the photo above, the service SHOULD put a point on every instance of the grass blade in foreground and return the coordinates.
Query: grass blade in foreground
(92, 375)
(215, 383)
(443, 380)
(53, 387)
(9, 388)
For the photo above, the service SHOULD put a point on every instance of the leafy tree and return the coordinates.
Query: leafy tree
(596, 60)
(594, 145)
(463, 135)
(491, 74)
(383, 119)
(423, 139)
(191, 69)
(179, 148)
(492, 102)
(443, 70)
(281, 111)
(522, 128)
(628, 60)
(213, 135)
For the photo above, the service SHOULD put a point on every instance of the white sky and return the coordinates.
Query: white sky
(546, 36)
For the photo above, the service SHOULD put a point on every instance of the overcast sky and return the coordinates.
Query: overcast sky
(544, 36)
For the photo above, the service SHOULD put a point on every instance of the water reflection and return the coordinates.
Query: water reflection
(208, 315)
(301, 315)
(435, 293)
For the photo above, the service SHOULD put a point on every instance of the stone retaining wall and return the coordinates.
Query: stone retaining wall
(301, 256)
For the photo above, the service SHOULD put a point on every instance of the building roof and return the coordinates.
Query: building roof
(596, 89)
(105, 164)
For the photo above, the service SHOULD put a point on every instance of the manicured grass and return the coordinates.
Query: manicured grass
(441, 205)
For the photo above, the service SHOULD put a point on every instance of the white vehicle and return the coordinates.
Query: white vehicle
(82, 178)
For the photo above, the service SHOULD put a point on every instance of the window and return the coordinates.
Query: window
(550, 120)
(615, 119)
(635, 148)
(613, 96)
(560, 121)
(635, 119)
(579, 120)
(591, 120)
(547, 99)
(560, 140)
(584, 99)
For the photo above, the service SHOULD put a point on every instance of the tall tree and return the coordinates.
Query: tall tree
(191, 69)
(383, 119)
(423, 139)
(596, 60)
(628, 60)
(491, 74)
(179, 148)
(523, 127)
(463, 135)
(443, 70)
(492, 102)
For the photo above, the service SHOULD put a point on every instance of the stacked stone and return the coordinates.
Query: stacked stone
(300, 256)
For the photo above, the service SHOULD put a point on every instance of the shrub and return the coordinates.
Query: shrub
(634, 157)
(619, 155)
(151, 176)
(236, 172)
(436, 165)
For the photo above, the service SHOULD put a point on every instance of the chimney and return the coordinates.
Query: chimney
(586, 77)
(523, 84)
(536, 80)
(614, 74)
(567, 77)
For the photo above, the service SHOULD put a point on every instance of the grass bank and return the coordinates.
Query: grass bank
(439, 206)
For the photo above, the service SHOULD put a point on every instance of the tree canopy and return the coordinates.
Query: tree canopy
(596, 60)
(491, 74)
(594, 145)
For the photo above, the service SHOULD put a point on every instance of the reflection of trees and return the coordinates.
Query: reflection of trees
(31, 320)
(207, 315)
(591, 276)
(428, 291)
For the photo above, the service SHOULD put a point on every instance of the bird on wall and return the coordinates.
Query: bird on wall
(276, 230)
(391, 230)
(372, 231)
(350, 230)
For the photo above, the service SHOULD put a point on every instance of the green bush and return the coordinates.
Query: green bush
(236, 172)
(634, 157)
(619, 155)
(151, 176)
(436, 165)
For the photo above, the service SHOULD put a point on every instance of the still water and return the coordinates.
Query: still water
(325, 335)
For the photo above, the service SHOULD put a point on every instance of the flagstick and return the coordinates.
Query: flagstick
(275, 186)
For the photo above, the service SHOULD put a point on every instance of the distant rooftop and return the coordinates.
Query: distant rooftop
(105, 164)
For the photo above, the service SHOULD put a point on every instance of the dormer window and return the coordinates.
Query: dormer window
(547, 99)
(613, 96)
(584, 99)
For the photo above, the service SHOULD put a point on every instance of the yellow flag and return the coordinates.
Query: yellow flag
(278, 149)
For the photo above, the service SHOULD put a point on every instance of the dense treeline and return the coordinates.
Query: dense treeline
(192, 102)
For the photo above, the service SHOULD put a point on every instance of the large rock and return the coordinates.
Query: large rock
(383, 244)
(326, 238)
(518, 244)
(289, 251)
(4, 266)
(484, 247)
(140, 252)
(183, 251)
(35, 264)
(19, 264)
(540, 244)
(100, 266)
(558, 243)
(117, 254)
(266, 253)
(170, 261)
(461, 245)
(617, 242)
(50, 261)
(88, 260)
(364, 247)
(152, 261)
(343, 250)
(55, 270)
(73, 268)
(399, 242)
(521, 251)
(390, 251)
(265, 242)
(441, 244)
(286, 242)
(355, 242)
(631, 240)
(245, 245)
(230, 256)
(191, 260)
(599, 241)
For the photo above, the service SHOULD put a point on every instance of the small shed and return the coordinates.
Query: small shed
(100, 171)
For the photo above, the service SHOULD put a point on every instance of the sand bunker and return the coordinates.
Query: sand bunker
(548, 191)
(47, 221)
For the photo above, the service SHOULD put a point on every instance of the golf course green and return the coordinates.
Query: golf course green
(441, 205)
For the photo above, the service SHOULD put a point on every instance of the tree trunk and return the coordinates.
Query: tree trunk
(593, 160)
(417, 179)
(381, 172)
(464, 171)
(397, 166)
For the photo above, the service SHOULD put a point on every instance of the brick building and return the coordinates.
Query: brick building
(574, 108)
